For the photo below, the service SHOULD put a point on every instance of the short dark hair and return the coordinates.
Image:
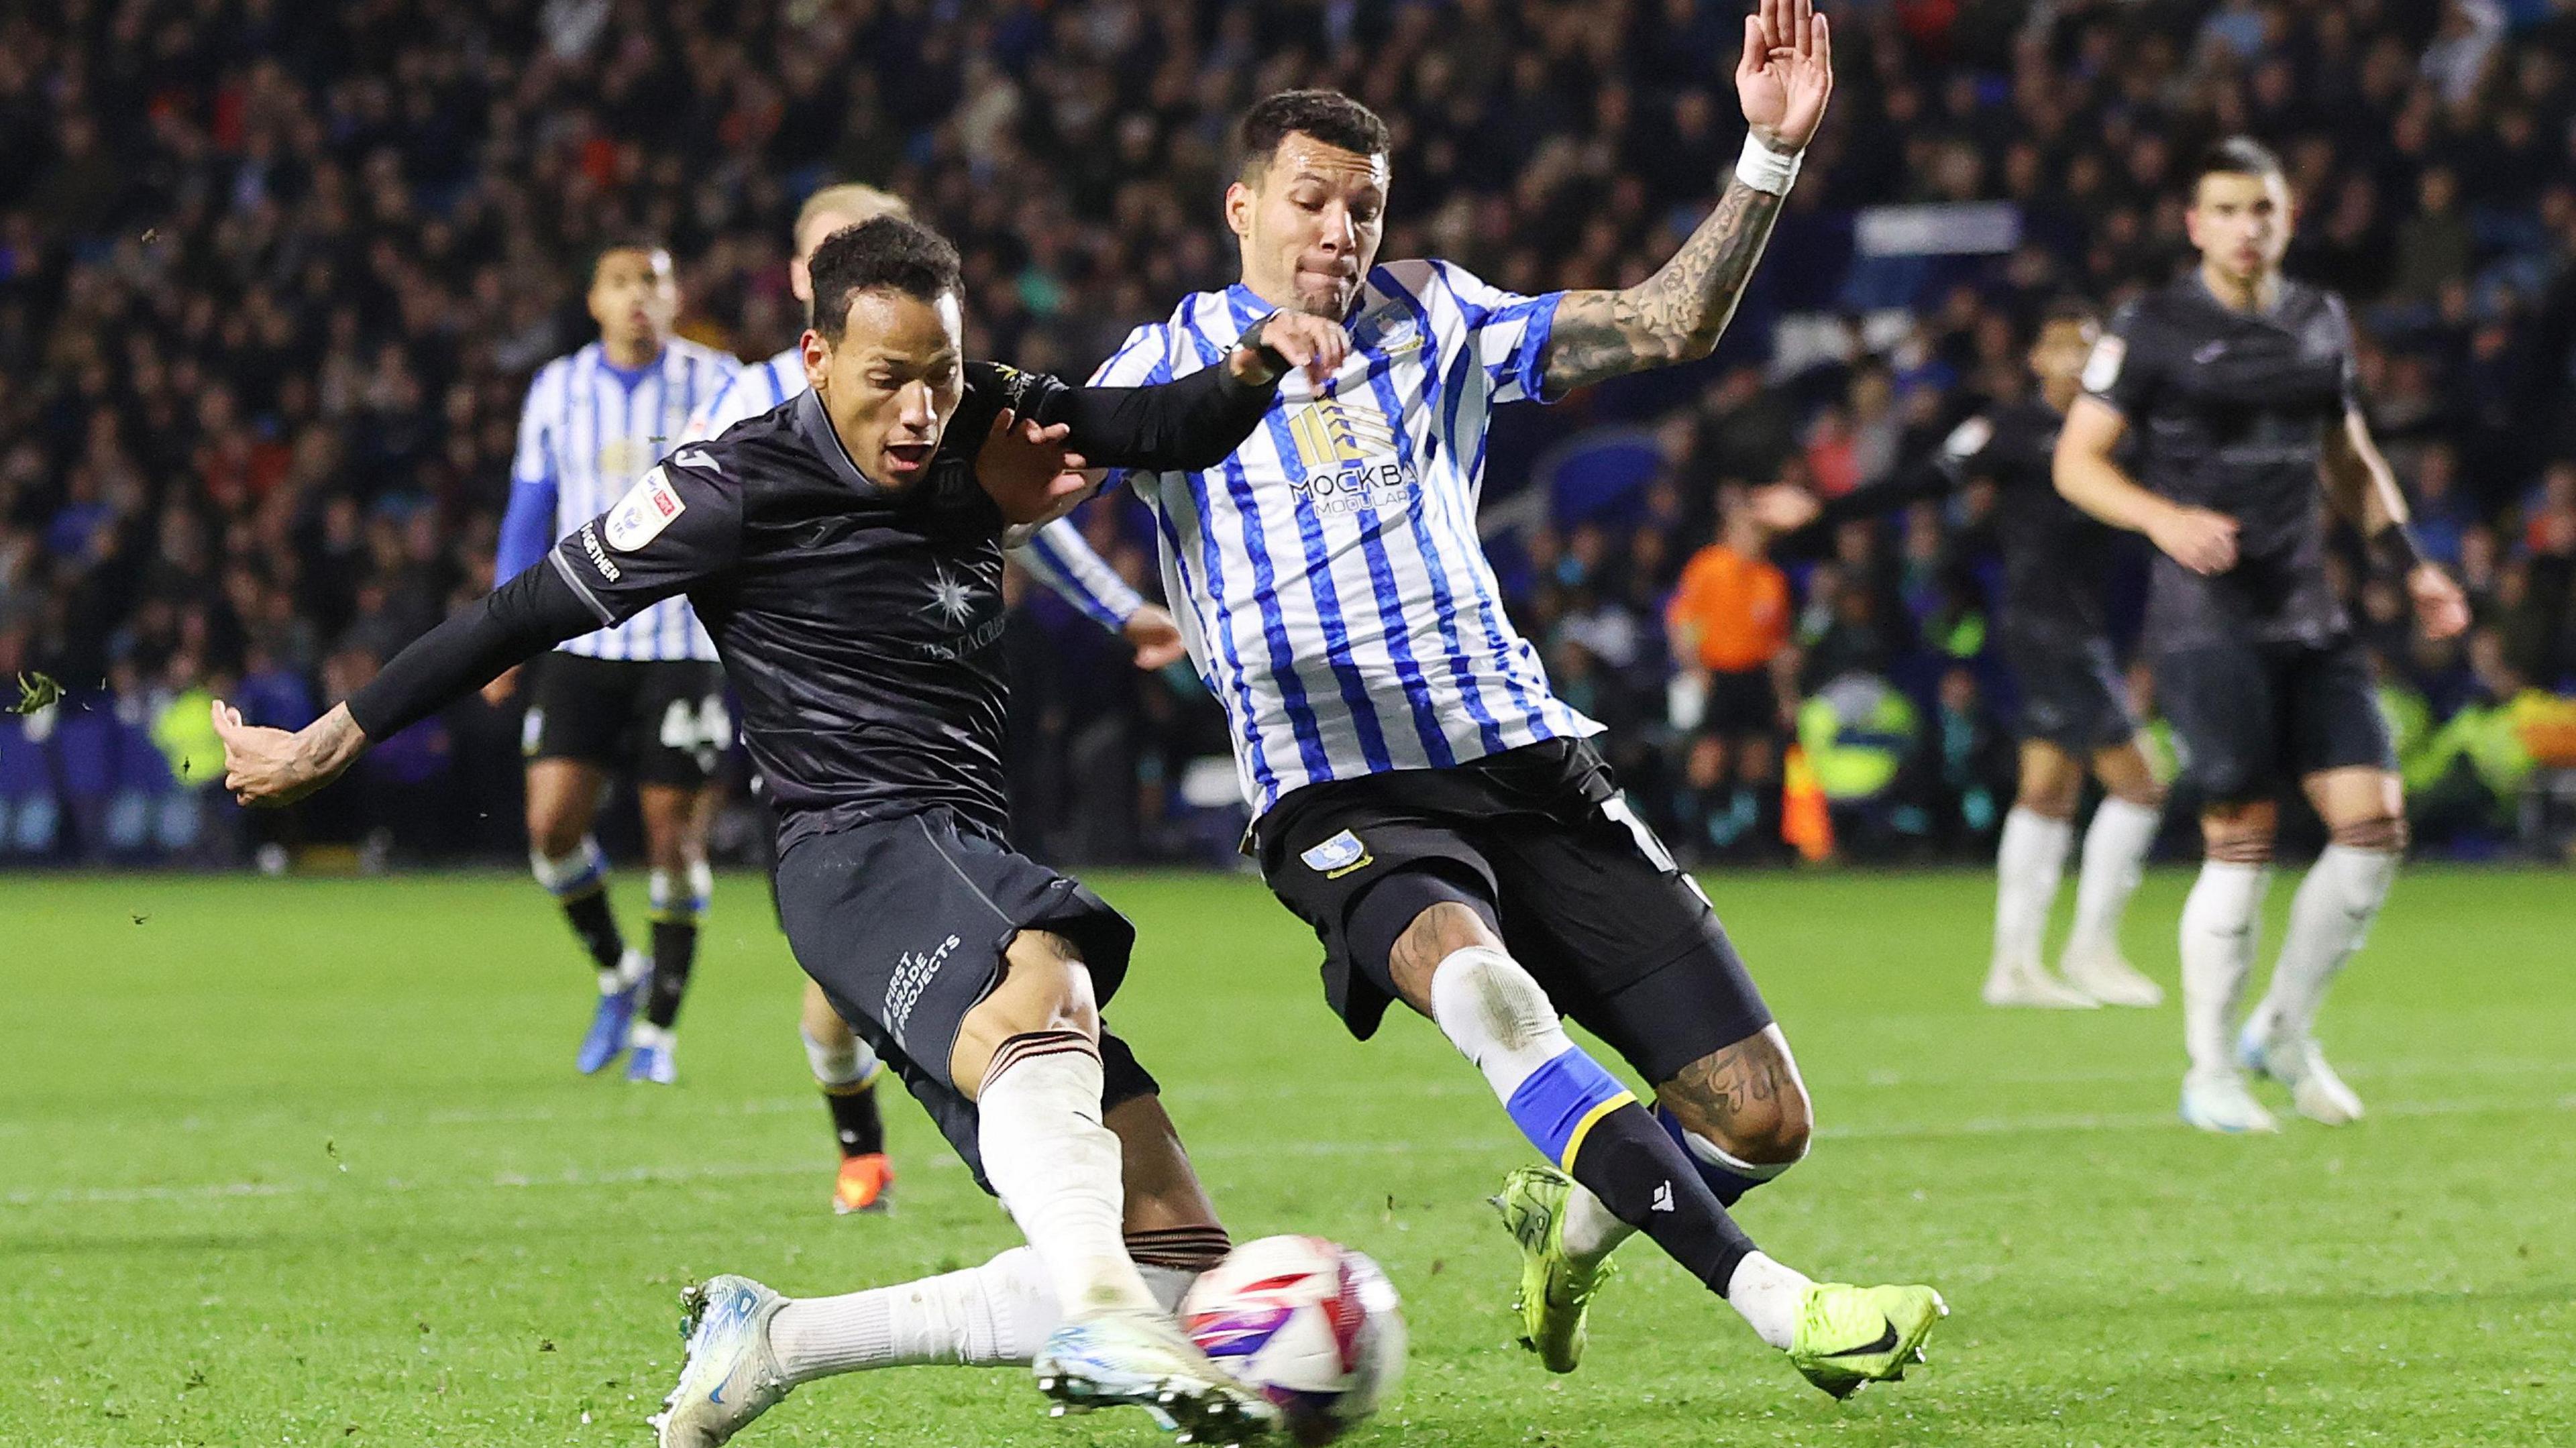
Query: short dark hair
(889, 252)
(2236, 156)
(1327, 115)
(645, 244)
(2070, 308)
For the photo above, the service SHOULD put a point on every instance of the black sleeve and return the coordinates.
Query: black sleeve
(680, 523)
(1180, 426)
(512, 624)
(1932, 477)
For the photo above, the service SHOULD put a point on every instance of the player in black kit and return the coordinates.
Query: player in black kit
(845, 553)
(2241, 387)
(2074, 712)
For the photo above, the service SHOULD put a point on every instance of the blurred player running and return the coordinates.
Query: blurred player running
(2241, 385)
(645, 696)
(846, 552)
(843, 1066)
(2074, 711)
(1422, 799)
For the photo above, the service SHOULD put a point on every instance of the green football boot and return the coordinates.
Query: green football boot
(1849, 1337)
(1555, 1297)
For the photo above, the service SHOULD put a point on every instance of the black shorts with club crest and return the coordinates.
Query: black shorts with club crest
(2071, 695)
(664, 719)
(903, 921)
(1586, 898)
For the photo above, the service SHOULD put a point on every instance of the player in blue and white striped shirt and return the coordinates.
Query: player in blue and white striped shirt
(843, 1066)
(1422, 798)
(645, 696)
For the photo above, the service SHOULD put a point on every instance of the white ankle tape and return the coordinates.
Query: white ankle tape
(846, 1062)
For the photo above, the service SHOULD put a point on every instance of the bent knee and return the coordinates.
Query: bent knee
(1044, 986)
(1760, 1119)
(2381, 834)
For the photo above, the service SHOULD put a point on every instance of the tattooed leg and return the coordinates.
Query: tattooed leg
(1740, 1111)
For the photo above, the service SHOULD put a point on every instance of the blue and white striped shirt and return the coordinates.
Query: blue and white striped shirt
(1056, 556)
(590, 429)
(1340, 602)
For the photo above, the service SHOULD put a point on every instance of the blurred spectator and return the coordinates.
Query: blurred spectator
(271, 282)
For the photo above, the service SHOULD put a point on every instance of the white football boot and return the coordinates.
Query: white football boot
(1143, 1359)
(2028, 984)
(2219, 1101)
(2315, 1089)
(2100, 971)
(728, 1375)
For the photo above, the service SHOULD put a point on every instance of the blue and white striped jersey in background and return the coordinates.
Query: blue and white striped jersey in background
(1057, 556)
(589, 430)
(1339, 600)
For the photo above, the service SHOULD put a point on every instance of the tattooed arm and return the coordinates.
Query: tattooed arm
(1677, 314)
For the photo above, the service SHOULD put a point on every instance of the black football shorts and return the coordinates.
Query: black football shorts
(2253, 718)
(2071, 695)
(903, 922)
(664, 719)
(1584, 895)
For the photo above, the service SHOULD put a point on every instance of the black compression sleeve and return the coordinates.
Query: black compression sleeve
(1178, 426)
(1930, 478)
(509, 625)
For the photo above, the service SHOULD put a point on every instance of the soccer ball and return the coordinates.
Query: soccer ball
(1310, 1324)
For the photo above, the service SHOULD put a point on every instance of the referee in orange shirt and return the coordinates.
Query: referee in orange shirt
(1729, 624)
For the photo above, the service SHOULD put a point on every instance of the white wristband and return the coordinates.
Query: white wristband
(1767, 170)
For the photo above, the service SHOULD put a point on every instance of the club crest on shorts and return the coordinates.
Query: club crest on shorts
(644, 512)
(1337, 856)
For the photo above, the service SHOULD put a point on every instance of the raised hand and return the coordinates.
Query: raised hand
(1786, 73)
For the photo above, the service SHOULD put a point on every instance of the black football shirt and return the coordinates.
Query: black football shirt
(861, 626)
(2230, 411)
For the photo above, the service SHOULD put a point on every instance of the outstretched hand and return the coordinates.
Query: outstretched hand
(1029, 472)
(1786, 73)
(264, 766)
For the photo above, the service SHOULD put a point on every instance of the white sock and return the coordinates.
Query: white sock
(2329, 919)
(2029, 861)
(1496, 1015)
(1769, 1297)
(845, 1062)
(1591, 1229)
(1056, 1168)
(1168, 1284)
(2221, 920)
(996, 1315)
(2115, 847)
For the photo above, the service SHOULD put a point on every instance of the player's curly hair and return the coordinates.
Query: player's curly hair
(1327, 115)
(891, 252)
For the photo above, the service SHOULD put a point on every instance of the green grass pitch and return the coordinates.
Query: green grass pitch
(306, 1162)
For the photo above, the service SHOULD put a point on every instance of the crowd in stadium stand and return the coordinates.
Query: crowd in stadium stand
(273, 277)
